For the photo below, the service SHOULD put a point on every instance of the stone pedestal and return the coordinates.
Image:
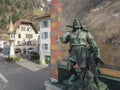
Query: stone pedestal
(50, 86)
(63, 83)
(63, 76)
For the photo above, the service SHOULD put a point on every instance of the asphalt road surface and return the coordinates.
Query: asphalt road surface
(22, 76)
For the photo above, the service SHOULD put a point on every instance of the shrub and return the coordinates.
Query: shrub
(17, 58)
(34, 57)
(10, 59)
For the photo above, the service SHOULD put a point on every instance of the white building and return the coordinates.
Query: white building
(44, 37)
(3, 43)
(25, 33)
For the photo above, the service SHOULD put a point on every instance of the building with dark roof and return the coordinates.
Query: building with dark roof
(25, 32)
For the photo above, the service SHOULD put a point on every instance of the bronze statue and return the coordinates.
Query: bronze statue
(84, 53)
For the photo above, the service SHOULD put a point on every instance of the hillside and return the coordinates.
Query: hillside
(102, 18)
(17, 9)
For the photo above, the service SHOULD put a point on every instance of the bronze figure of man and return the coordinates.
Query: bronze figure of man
(80, 39)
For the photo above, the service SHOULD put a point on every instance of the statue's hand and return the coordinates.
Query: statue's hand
(99, 60)
(76, 66)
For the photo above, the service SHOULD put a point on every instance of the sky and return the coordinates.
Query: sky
(49, 0)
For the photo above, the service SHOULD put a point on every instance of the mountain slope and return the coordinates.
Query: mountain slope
(17, 9)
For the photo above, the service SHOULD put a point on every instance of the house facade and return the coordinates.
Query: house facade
(25, 36)
(25, 33)
(44, 38)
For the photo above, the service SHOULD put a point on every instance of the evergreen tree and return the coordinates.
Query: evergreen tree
(7, 2)
(15, 17)
(1, 1)
(3, 9)
(17, 4)
(3, 22)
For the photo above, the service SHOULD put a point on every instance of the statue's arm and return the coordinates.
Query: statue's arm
(93, 47)
(92, 43)
(65, 38)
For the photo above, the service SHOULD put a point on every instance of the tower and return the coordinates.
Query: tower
(11, 34)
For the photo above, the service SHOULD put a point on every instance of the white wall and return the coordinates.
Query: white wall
(23, 34)
(42, 52)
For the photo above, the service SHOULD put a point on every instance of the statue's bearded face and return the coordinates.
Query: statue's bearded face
(76, 25)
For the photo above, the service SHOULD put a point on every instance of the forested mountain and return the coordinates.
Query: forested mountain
(17, 9)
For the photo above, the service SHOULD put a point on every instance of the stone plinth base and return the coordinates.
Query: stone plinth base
(50, 86)
(54, 86)
(85, 86)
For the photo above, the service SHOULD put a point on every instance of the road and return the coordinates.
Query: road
(24, 75)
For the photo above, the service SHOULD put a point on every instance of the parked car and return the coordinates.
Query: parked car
(1, 49)
(33, 50)
(17, 50)
(33, 55)
(24, 50)
(30, 48)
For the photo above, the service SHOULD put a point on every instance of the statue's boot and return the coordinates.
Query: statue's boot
(97, 81)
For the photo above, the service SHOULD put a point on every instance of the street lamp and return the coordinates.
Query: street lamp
(11, 34)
